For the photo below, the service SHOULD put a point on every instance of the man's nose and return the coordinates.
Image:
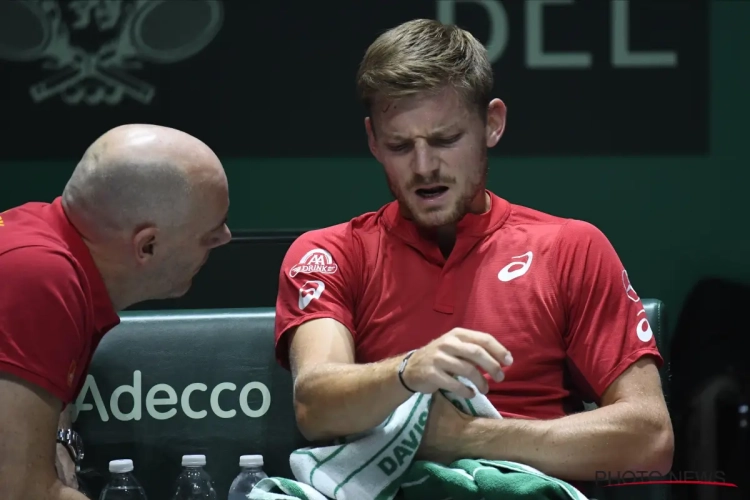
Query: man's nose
(425, 161)
(223, 238)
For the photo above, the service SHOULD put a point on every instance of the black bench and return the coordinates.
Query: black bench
(168, 383)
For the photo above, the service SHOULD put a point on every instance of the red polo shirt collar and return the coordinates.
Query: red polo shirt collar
(470, 227)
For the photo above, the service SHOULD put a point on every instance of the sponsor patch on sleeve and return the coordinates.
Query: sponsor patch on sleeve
(315, 261)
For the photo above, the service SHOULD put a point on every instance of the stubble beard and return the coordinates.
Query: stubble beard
(442, 216)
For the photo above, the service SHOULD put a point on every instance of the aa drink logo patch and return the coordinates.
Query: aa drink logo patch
(316, 260)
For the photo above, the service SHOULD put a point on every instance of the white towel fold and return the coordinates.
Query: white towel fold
(376, 464)
(370, 465)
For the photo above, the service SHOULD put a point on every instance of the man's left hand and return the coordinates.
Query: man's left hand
(66, 468)
(441, 439)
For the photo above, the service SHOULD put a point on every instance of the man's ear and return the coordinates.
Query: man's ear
(144, 244)
(496, 116)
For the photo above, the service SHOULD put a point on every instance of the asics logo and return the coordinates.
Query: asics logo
(309, 291)
(516, 268)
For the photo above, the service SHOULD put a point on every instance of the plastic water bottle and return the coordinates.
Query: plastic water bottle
(250, 475)
(122, 484)
(194, 483)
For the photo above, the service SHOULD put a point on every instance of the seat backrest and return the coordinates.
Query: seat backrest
(657, 319)
(168, 383)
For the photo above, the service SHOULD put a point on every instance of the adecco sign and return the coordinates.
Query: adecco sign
(162, 401)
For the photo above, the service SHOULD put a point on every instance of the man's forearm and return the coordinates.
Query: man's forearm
(337, 400)
(614, 438)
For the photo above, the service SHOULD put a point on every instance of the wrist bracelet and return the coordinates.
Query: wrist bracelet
(401, 369)
(72, 443)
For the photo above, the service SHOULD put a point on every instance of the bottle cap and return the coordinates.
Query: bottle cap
(193, 460)
(251, 461)
(120, 466)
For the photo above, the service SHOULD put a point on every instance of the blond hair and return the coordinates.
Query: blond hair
(424, 56)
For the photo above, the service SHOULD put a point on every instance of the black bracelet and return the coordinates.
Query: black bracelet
(401, 369)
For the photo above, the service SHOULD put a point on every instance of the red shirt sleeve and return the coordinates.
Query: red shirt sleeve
(318, 279)
(42, 319)
(607, 325)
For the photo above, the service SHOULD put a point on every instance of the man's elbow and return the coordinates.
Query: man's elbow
(659, 449)
(310, 415)
(306, 422)
(663, 453)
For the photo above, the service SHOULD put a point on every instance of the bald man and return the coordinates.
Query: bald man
(136, 221)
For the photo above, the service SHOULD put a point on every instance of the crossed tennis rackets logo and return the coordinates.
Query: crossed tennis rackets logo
(156, 31)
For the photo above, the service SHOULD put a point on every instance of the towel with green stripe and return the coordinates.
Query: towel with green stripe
(483, 479)
(379, 465)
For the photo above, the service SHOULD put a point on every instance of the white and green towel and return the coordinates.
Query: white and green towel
(379, 464)
(483, 479)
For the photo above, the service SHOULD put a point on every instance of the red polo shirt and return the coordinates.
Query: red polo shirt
(552, 290)
(54, 307)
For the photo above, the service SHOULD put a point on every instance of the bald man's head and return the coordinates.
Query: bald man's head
(151, 203)
(139, 174)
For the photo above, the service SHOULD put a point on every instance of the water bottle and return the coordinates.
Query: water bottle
(122, 484)
(194, 483)
(250, 475)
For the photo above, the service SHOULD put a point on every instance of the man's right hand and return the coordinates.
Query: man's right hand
(335, 397)
(459, 352)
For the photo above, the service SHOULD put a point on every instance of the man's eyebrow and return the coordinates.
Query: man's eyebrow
(440, 131)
